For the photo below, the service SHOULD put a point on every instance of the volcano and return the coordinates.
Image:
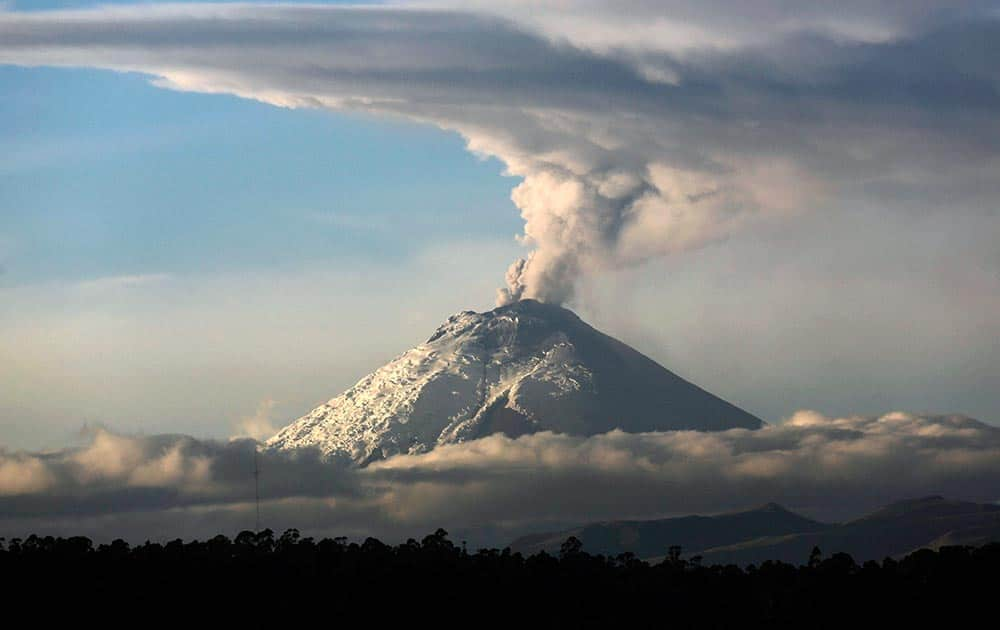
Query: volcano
(518, 369)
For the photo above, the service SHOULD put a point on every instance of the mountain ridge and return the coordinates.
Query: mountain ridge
(517, 369)
(894, 530)
(693, 533)
(772, 532)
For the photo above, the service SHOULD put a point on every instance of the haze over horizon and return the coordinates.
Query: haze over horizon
(215, 217)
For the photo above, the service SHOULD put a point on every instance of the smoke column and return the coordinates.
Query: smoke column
(584, 223)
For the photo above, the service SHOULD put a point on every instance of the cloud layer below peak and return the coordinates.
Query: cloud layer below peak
(168, 486)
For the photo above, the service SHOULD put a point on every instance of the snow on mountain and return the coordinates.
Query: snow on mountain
(517, 369)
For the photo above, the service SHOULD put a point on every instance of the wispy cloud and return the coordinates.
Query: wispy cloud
(108, 284)
(260, 425)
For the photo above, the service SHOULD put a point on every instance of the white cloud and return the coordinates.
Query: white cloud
(810, 461)
(820, 464)
(260, 425)
(23, 474)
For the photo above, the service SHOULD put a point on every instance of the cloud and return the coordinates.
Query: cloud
(142, 486)
(260, 425)
(810, 461)
(109, 284)
(22, 474)
(637, 133)
(679, 26)
(113, 473)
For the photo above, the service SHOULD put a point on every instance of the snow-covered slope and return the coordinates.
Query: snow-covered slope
(517, 369)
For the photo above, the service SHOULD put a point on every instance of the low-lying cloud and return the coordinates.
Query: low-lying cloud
(168, 486)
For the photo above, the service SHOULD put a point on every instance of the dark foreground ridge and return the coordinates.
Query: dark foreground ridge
(258, 580)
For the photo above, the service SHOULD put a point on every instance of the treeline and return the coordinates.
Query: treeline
(258, 579)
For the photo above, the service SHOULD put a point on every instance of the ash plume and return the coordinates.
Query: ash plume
(580, 223)
(636, 134)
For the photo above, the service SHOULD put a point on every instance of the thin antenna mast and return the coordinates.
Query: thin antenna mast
(256, 489)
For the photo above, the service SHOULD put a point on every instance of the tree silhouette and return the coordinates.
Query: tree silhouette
(674, 555)
(257, 580)
(815, 557)
(570, 547)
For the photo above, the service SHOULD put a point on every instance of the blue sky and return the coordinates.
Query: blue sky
(773, 209)
(106, 175)
(32, 5)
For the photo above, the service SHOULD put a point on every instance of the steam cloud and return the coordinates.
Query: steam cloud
(170, 485)
(637, 133)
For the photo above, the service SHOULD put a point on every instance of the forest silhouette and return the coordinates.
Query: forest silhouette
(262, 580)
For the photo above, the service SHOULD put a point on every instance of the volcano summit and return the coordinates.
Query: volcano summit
(520, 368)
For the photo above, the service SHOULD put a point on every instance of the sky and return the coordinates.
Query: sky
(132, 216)
(219, 215)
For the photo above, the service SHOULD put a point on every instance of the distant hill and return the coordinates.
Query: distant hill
(772, 532)
(650, 539)
(897, 529)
